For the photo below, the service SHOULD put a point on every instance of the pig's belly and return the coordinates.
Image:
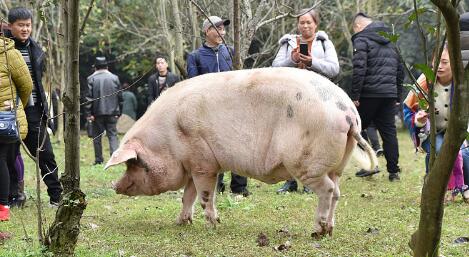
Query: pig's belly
(270, 177)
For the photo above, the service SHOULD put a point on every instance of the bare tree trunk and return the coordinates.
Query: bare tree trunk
(237, 64)
(426, 240)
(346, 29)
(196, 42)
(169, 36)
(179, 40)
(63, 234)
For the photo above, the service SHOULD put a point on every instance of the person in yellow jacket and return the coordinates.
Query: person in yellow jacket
(12, 65)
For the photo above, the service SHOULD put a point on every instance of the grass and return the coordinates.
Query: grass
(374, 218)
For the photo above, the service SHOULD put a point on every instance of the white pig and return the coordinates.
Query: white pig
(270, 124)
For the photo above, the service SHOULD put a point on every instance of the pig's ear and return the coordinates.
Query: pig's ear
(121, 155)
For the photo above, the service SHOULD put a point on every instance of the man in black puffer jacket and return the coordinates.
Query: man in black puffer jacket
(377, 85)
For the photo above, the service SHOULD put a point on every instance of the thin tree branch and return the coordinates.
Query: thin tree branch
(86, 17)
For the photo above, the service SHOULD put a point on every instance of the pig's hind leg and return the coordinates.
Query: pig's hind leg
(205, 184)
(323, 187)
(335, 199)
(188, 199)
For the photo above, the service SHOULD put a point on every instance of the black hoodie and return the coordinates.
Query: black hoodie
(377, 69)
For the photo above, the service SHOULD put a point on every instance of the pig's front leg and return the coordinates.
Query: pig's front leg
(188, 199)
(205, 184)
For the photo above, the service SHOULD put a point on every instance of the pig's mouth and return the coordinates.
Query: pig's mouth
(131, 185)
(121, 190)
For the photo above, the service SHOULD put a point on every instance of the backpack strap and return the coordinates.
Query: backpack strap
(322, 39)
(197, 60)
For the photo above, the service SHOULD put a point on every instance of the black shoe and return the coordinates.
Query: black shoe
(306, 190)
(18, 201)
(221, 188)
(244, 192)
(379, 152)
(289, 186)
(394, 177)
(53, 204)
(366, 173)
(98, 162)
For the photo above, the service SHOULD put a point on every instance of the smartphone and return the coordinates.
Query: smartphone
(304, 49)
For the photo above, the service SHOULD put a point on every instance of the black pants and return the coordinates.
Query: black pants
(381, 111)
(36, 132)
(103, 123)
(238, 183)
(7, 163)
(370, 134)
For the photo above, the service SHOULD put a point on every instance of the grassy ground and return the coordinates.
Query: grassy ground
(374, 218)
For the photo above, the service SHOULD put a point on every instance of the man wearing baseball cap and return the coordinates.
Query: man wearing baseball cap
(214, 56)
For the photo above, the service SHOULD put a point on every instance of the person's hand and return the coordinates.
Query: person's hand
(295, 56)
(421, 117)
(91, 118)
(7, 105)
(356, 103)
(306, 59)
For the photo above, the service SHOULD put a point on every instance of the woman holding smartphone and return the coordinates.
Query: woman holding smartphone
(311, 50)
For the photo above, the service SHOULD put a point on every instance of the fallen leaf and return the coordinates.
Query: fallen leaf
(4, 236)
(262, 240)
(93, 226)
(284, 231)
(364, 195)
(373, 231)
(283, 247)
(461, 240)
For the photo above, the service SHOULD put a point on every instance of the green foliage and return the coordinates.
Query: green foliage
(414, 16)
(427, 71)
(390, 36)
(423, 105)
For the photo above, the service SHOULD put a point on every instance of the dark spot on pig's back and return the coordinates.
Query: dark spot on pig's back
(349, 120)
(299, 96)
(290, 111)
(341, 106)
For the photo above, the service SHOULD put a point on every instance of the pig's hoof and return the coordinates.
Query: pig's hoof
(183, 220)
(212, 221)
(317, 235)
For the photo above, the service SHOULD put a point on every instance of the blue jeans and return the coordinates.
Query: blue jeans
(426, 147)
